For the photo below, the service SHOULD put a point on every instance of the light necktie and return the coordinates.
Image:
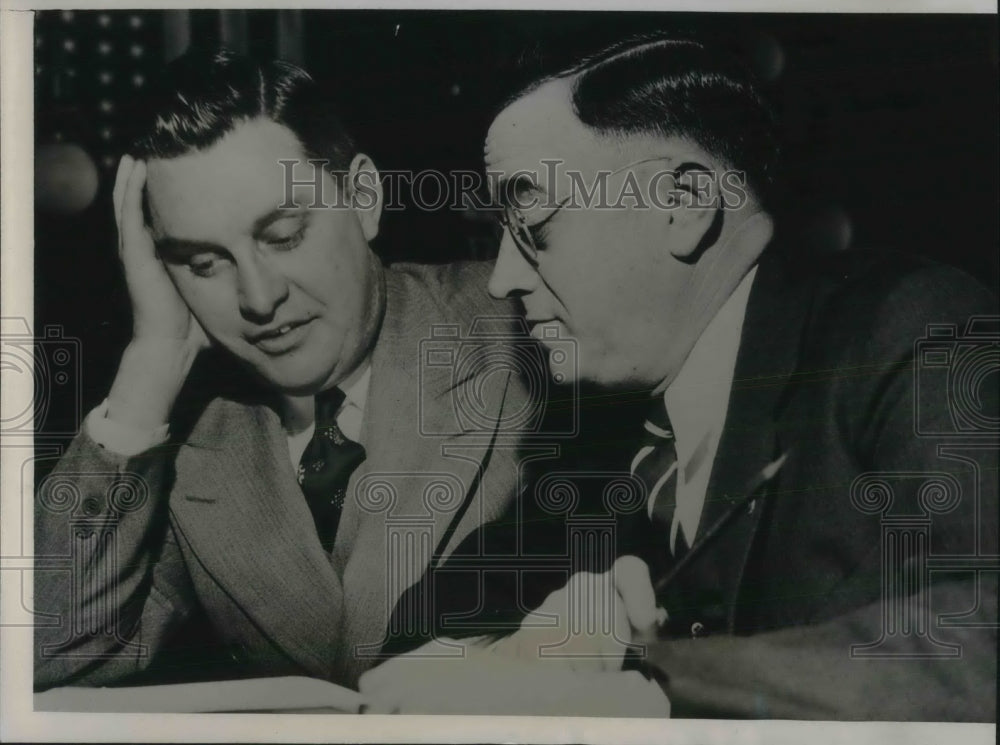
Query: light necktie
(655, 464)
(326, 465)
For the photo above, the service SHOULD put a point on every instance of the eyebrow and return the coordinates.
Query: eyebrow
(185, 247)
(181, 248)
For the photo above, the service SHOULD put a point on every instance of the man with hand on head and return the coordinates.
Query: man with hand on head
(242, 539)
(791, 427)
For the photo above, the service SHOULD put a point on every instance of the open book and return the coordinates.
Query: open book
(502, 688)
(285, 694)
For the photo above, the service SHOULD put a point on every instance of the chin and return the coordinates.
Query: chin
(613, 379)
(295, 379)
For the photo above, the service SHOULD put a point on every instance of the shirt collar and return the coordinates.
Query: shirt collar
(697, 399)
(355, 386)
(297, 416)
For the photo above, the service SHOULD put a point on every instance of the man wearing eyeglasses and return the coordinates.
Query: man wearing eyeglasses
(800, 470)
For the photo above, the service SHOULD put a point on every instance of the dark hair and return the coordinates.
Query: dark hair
(677, 87)
(205, 93)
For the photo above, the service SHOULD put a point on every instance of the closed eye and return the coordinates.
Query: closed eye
(285, 234)
(206, 264)
(202, 259)
(539, 233)
(287, 243)
(540, 230)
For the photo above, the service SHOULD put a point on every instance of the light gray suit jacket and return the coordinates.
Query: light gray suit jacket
(130, 547)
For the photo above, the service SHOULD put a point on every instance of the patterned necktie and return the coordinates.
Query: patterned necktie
(326, 464)
(656, 466)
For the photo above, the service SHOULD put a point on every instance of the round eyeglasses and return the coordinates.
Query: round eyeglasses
(513, 220)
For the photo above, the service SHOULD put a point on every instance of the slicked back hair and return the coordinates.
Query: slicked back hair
(205, 93)
(673, 87)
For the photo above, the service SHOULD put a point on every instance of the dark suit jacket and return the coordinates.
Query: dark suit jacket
(889, 487)
(210, 534)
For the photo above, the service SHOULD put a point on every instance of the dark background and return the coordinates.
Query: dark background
(889, 124)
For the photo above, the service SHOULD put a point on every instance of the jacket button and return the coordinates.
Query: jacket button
(696, 629)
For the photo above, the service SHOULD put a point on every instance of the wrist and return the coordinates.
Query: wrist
(120, 438)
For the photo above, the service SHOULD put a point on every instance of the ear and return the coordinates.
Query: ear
(696, 206)
(364, 189)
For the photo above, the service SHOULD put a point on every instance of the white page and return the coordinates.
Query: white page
(255, 694)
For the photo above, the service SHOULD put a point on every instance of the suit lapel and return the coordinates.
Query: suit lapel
(767, 358)
(429, 479)
(239, 507)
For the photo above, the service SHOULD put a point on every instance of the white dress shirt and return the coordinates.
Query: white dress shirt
(696, 403)
(125, 440)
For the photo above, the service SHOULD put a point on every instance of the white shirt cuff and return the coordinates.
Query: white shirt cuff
(119, 438)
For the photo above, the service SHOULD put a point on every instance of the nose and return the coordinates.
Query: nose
(261, 288)
(512, 274)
